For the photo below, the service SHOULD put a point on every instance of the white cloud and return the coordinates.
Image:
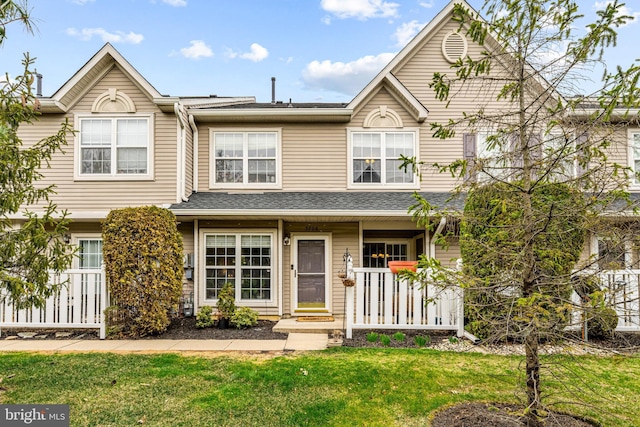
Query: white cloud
(82, 2)
(427, 4)
(405, 32)
(257, 53)
(344, 77)
(176, 3)
(360, 9)
(197, 50)
(117, 37)
(624, 10)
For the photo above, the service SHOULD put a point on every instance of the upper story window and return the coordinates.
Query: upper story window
(114, 147)
(245, 159)
(375, 158)
(634, 154)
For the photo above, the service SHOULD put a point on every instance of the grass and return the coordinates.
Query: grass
(337, 387)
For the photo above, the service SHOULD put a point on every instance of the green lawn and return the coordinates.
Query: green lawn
(337, 387)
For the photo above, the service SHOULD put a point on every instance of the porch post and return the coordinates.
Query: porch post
(349, 311)
(103, 303)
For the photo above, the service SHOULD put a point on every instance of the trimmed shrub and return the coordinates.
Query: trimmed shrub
(204, 318)
(244, 317)
(603, 322)
(226, 301)
(142, 251)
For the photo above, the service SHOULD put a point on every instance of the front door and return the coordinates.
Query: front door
(311, 273)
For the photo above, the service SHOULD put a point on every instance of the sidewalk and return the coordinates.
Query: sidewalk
(294, 342)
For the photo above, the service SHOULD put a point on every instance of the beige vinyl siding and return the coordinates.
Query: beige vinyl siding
(449, 255)
(105, 195)
(188, 156)
(415, 74)
(313, 155)
(382, 98)
(343, 236)
(186, 231)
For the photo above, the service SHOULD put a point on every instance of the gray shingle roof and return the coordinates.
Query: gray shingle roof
(322, 202)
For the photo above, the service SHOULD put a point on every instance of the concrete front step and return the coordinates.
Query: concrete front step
(292, 325)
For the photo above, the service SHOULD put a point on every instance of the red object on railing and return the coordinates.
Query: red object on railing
(396, 266)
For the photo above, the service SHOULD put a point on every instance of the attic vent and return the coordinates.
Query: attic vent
(454, 46)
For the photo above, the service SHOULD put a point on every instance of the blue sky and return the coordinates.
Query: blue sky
(319, 50)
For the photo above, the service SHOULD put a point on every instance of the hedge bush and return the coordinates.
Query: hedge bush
(142, 251)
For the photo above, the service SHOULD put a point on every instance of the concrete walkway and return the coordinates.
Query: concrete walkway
(294, 342)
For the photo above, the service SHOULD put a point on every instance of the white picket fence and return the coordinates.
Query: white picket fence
(80, 303)
(380, 300)
(622, 293)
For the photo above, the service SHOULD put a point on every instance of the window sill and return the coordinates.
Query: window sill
(112, 178)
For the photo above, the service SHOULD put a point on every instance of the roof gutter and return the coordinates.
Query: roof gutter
(286, 212)
(341, 115)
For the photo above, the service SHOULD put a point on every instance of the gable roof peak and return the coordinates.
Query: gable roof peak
(443, 15)
(99, 63)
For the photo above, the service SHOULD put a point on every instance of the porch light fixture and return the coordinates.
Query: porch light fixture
(287, 240)
(66, 239)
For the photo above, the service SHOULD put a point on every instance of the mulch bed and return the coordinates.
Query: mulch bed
(497, 415)
(179, 329)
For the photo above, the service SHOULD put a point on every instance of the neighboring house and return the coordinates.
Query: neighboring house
(269, 196)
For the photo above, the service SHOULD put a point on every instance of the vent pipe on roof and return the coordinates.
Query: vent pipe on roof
(38, 83)
(273, 90)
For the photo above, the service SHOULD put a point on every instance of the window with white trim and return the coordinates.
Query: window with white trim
(634, 154)
(114, 146)
(613, 255)
(89, 253)
(557, 145)
(375, 158)
(243, 259)
(245, 159)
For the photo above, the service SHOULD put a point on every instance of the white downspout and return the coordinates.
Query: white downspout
(194, 169)
(432, 240)
(181, 155)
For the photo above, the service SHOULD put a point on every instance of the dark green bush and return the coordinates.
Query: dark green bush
(603, 322)
(142, 251)
(226, 301)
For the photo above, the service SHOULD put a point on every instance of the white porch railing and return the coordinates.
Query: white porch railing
(380, 300)
(78, 304)
(622, 294)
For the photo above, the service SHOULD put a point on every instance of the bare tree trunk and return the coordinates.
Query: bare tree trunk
(533, 378)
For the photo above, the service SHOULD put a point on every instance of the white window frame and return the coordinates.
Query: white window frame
(392, 241)
(415, 185)
(572, 165)
(114, 175)
(595, 252)
(257, 303)
(483, 149)
(245, 184)
(75, 240)
(631, 132)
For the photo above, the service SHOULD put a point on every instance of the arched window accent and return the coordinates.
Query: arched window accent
(383, 117)
(113, 101)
